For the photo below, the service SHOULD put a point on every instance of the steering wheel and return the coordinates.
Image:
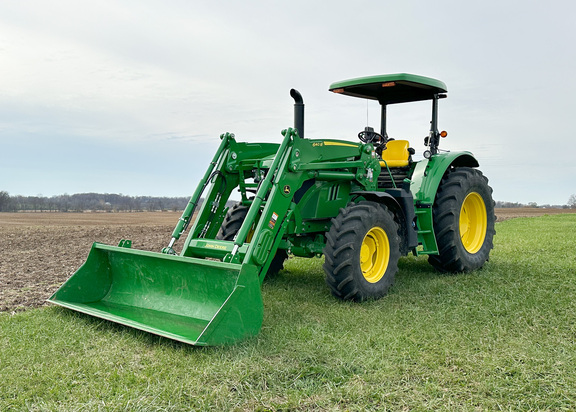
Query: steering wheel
(370, 136)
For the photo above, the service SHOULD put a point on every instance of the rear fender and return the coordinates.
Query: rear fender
(428, 174)
(424, 184)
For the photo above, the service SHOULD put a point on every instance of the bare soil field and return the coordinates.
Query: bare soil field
(39, 251)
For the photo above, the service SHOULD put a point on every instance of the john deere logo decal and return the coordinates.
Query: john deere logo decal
(287, 190)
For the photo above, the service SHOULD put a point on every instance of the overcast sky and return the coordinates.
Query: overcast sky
(131, 96)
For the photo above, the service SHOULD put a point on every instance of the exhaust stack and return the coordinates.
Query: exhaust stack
(298, 111)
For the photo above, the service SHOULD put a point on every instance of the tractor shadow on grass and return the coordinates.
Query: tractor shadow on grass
(305, 283)
(107, 330)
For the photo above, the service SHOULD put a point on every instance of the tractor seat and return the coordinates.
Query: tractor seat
(396, 154)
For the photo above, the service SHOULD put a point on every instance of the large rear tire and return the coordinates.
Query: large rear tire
(464, 220)
(230, 227)
(232, 223)
(362, 252)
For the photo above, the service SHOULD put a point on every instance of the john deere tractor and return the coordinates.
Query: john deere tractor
(362, 204)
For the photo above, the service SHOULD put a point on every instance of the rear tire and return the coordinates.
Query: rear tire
(230, 227)
(232, 223)
(362, 252)
(464, 220)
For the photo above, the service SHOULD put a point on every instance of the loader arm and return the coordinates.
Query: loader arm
(274, 207)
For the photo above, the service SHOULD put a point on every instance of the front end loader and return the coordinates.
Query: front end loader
(361, 204)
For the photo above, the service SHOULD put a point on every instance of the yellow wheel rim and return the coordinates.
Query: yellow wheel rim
(374, 254)
(473, 222)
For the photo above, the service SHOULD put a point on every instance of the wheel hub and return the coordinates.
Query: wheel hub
(473, 222)
(374, 254)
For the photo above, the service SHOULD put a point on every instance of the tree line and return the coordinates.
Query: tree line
(98, 202)
(510, 205)
(110, 202)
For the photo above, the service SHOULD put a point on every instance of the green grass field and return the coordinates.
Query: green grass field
(502, 338)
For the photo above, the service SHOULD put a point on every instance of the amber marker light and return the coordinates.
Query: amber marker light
(338, 90)
(388, 84)
(443, 133)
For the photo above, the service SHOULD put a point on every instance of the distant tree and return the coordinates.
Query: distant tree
(4, 201)
(572, 201)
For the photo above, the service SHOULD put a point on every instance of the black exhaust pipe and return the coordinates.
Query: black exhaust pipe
(298, 111)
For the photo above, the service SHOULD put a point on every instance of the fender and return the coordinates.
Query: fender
(429, 172)
(401, 203)
(424, 184)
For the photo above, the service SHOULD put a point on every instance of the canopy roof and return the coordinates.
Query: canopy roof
(391, 88)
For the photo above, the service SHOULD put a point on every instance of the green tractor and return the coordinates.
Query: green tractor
(361, 204)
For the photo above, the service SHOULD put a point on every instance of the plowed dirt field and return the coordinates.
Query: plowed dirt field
(39, 251)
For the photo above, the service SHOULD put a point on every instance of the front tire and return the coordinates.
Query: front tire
(362, 252)
(464, 220)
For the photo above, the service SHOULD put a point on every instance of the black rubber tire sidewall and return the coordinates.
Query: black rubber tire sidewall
(342, 252)
(456, 185)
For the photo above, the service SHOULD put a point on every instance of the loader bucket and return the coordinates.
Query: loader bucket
(196, 301)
